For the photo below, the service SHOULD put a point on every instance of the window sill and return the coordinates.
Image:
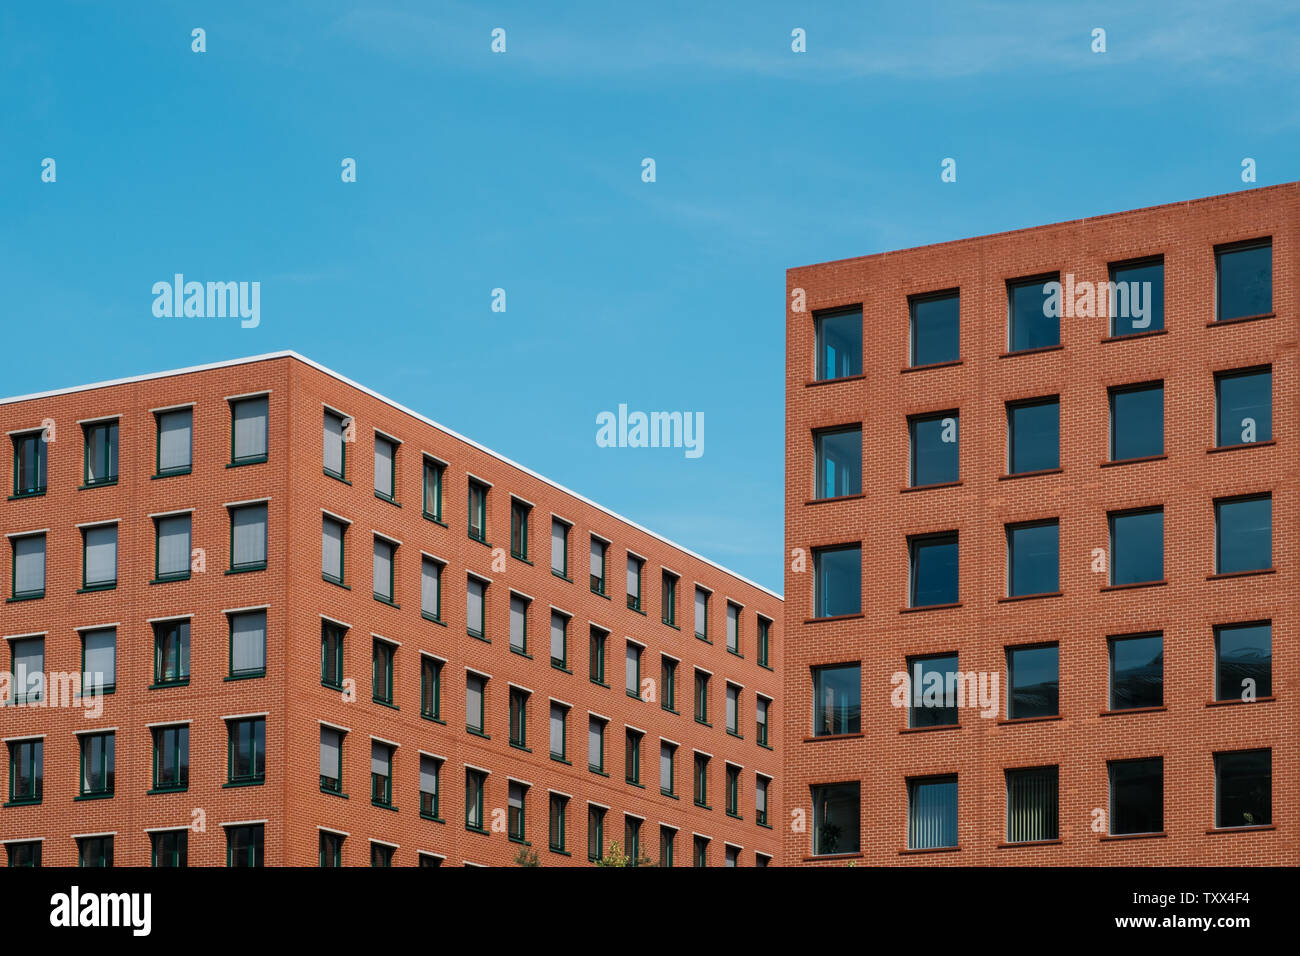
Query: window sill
(247, 569)
(520, 840)
(24, 597)
(478, 733)
(1038, 350)
(950, 363)
(1121, 837)
(436, 520)
(27, 494)
(928, 607)
(522, 558)
(600, 683)
(668, 793)
(765, 746)
(703, 723)
(234, 784)
(333, 793)
(167, 579)
(470, 829)
(637, 609)
(482, 541)
(1227, 575)
(633, 783)
(435, 620)
(107, 483)
(384, 703)
(479, 637)
(1012, 476)
(671, 624)
(92, 796)
(1129, 461)
(1134, 335)
(515, 650)
(569, 763)
(732, 733)
(633, 694)
(1136, 585)
(157, 792)
(834, 617)
(1256, 828)
(234, 677)
(1030, 843)
(336, 476)
(703, 806)
(240, 463)
(1134, 710)
(926, 730)
(388, 498)
(734, 816)
(595, 770)
(763, 823)
(704, 638)
(831, 857)
(931, 487)
(432, 818)
(1241, 318)
(735, 653)
(600, 594)
(389, 601)
(1238, 701)
(1219, 449)
(337, 582)
(172, 473)
(1013, 721)
(560, 852)
(383, 806)
(1012, 599)
(92, 588)
(934, 849)
(171, 683)
(562, 577)
(833, 500)
(517, 746)
(832, 381)
(23, 803)
(436, 720)
(559, 666)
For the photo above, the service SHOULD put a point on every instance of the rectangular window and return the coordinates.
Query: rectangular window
(99, 557)
(838, 453)
(519, 718)
(1244, 274)
(1033, 436)
(385, 468)
(335, 453)
(701, 697)
(1033, 323)
(175, 442)
(519, 514)
(733, 790)
(248, 644)
(632, 839)
(1034, 676)
(667, 757)
(475, 601)
(934, 445)
(331, 654)
(1243, 661)
(430, 687)
(761, 706)
(170, 848)
(99, 661)
(248, 538)
(431, 588)
(933, 691)
(28, 665)
(97, 764)
(100, 453)
(560, 732)
(475, 691)
(559, 810)
(598, 549)
(27, 853)
(172, 548)
(1137, 546)
(634, 567)
(1137, 796)
(559, 548)
(837, 700)
(384, 572)
(733, 628)
(30, 458)
(331, 760)
(1032, 814)
(1137, 422)
(331, 848)
(668, 598)
(245, 846)
(248, 442)
(381, 673)
(933, 570)
(595, 832)
(632, 757)
(764, 642)
(931, 813)
(431, 493)
(171, 652)
(1137, 671)
(837, 581)
(596, 661)
(478, 511)
(701, 780)
(668, 684)
(1137, 297)
(1243, 534)
(95, 851)
(836, 819)
(839, 343)
(1033, 558)
(516, 794)
(381, 774)
(667, 835)
(559, 640)
(1243, 402)
(331, 549)
(596, 744)
(29, 567)
(519, 624)
(633, 670)
(171, 758)
(702, 613)
(700, 851)
(26, 771)
(246, 739)
(935, 328)
(430, 769)
(475, 781)
(761, 784)
(733, 710)
(1243, 789)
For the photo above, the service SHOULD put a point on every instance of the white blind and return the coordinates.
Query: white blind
(383, 466)
(101, 555)
(597, 559)
(733, 627)
(250, 428)
(101, 659)
(29, 659)
(760, 795)
(518, 618)
(634, 577)
(248, 527)
(474, 605)
(329, 752)
(515, 798)
(383, 568)
(558, 624)
(665, 767)
(595, 743)
(428, 774)
(378, 758)
(174, 439)
(29, 564)
(174, 544)
(430, 578)
(557, 730)
(331, 548)
(732, 701)
(701, 611)
(474, 702)
(558, 536)
(633, 675)
(334, 443)
(248, 642)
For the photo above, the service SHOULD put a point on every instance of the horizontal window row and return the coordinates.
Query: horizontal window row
(245, 846)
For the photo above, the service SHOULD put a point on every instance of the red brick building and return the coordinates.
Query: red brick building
(186, 565)
(995, 472)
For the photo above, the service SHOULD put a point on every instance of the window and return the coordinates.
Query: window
(596, 656)
(595, 832)
(519, 718)
(516, 793)
(431, 588)
(1137, 546)
(560, 735)
(935, 330)
(837, 581)
(475, 595)
(30, 456)
(478, 511)
(1243, 402)
(170, 848)
(632, 757)
(598, 549)
(336, 437)
(1032, 805)
(1243, 788)
(701, 697)
(475, 690)
(248, 644)
(95, 851)
(933, 689)
(519, 512)
(99, 661)
(430, 687)
(1243, 534)
(701, 780)
(1033, 322)
(634, 567)
(667, 758)
(632, 839)
(1137, 666)
(1033, 558)
(934, 446)
(384, 570)
(764, 642)
(733, 628)
(28, 667)
(702, 613)
(99, 557)
(331, 759)
(733, 710)
(667, 835)
(839, 462)
(97, 764)
(245, 845)
(700, 851)
(1245, 280)
(668, 598)
(431, 492)
(559, 640)
(839, 343)
(595, 742)
(475, 781)
(430, 769)
(1033, 436)
(248, 538)
(1034, 676)
(668, 684)
(331, 549)
(559, 811)
(931, 813)
(761, 705)
(559, 548)
(248, 444)
(381, 773)
(762, 860)
(519, 624)
(27, 853)
(1137, 422)
(1137, 297)
(933, 570)
(761, 784)
(246, 740)
(331, 848)
(1137, 796)
(837, 700)
(385, 467)
(26, 770)
(171, 758)
(633, 670)
(100, 465)
(29, 567)
(171, 652)
(172, 548)
(733, 790)
(836, 818)
(1243, 661)
(175, 444)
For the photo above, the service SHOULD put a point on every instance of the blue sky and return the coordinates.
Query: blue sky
(522, 171)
